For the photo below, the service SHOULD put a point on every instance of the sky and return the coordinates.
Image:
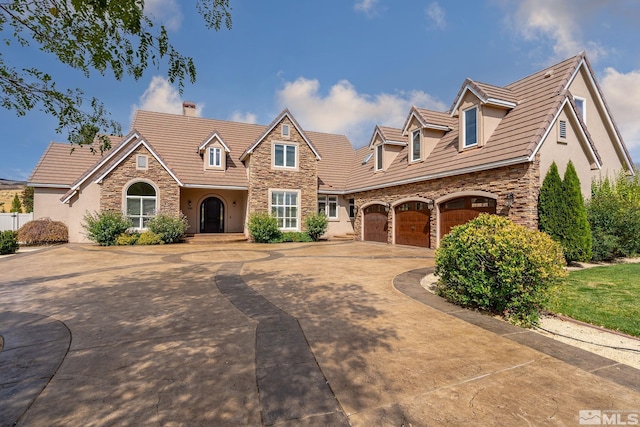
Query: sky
(343, 66)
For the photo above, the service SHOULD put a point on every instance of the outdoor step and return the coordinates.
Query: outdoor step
(215, 238)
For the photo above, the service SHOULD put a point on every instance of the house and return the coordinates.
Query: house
(410, 185)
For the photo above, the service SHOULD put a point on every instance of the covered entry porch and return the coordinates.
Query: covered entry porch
(212, 210)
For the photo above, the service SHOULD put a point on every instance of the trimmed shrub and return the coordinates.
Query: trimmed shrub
(551, 206)
(169, 227)
(577, 240)
(8, 242)
(105, 227)
(127, 239)
(316, 225)
(149, 238)
(492, 264)
(292, 236)
(43, 231)
(263, 228)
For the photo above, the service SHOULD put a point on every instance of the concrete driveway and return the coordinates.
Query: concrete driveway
(295, 334)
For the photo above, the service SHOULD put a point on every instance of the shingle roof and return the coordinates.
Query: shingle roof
(392, 134)
(62, 163)
(539, 96)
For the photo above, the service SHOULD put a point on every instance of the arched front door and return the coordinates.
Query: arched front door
(212, 216)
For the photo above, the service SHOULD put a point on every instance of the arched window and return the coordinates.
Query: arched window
(141, 203)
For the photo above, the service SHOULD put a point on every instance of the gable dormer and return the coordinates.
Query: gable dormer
(386, 143)
(213, 151)
(479, 108)
(423, 129)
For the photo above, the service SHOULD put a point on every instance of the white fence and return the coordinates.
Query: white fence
(13, 221)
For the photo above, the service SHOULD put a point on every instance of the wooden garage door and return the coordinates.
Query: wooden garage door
(412, 224)
(375, 224)
(461, 210)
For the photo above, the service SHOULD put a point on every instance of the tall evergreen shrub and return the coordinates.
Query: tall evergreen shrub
(577, 240)
(16, 206)
(552, 210)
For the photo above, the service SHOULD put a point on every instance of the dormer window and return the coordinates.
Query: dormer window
(416, 146)
(470, 127)
(215, 157)
(581, 105)
(379, 163)
(285, 131)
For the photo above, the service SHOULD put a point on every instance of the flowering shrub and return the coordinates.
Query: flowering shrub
(149, 238)
(263, 228)
(105, 227)
(492, 264)
(316, 225)
(170, 228)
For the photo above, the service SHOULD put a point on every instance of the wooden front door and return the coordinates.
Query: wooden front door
(413, 224)
(460, 211)
(375, 224)
(212, 216)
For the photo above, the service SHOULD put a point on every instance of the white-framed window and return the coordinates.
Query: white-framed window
(215, 157)
(379, 149)
(285, 131)
(285, 155)
(328, 205)
(142, 162)
(470, 127)
(581, 105)
(285, 207)
(416, 146)
(562, 130)
(141, 203)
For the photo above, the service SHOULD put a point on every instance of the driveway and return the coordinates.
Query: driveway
(335, 333)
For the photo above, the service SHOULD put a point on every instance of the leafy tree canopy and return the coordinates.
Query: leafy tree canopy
(104, 36)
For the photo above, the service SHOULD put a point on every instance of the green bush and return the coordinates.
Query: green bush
(8, 242)
(551, 206)
(16, 206)
(577, 241)
(292, 236)
(127, 239)
(263, 228)
(316, 225)
(614, 216)
(105, 227)
(169, 227)
(149, 238)
(492, 264)
(43, 231)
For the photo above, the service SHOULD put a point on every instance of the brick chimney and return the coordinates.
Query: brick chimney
(189, 109)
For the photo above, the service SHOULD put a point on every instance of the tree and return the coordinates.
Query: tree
(27, 199)
(16, 206)
(89, 35)
(551, 207)
(577, 233)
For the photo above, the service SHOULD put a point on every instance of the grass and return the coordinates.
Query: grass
(606, 296)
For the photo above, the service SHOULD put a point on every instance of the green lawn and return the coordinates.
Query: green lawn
(606, 296)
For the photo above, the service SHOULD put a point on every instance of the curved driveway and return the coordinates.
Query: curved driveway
(290, 334)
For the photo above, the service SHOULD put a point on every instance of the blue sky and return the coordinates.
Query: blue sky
(343, 66)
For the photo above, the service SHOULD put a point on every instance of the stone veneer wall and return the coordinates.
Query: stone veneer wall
(111, 197)
(262, 176)
(521, 179)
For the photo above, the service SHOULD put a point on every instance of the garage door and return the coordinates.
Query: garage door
(375, 224)
(412, 224)
(461, 210)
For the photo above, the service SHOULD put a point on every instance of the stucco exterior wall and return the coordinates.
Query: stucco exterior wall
(235, 205)
(343, 225)
(522, 179)
(47, 204)
(263, 176)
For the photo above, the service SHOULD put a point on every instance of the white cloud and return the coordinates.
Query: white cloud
(345, 111)
(165, 11)
(366, 6)
(622, 92)
(161, 97)
(436, 15)
(247, 117)
(558, 21)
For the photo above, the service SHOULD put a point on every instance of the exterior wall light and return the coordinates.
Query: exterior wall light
(387, 207)
(430, 204)
(510, 199)
(189, 204)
